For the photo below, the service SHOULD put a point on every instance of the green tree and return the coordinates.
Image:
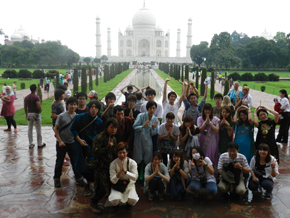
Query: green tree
(104, 58)
(227, 87)
(203, 77)
(75, 81)
(84, 80)
(196, 77)
(198, 53)
(212, 85)
(90, 79)
(39, 93)
(182, 73)
(87, 60)
(97, 76)
(186, 72)
(57, 79)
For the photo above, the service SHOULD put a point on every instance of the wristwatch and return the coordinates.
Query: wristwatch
(242, 168)
(206, 165)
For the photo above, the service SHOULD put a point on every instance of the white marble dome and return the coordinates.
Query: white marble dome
(159, 29)
(16, 36)
(23, 33)
(129, 28)
(144, 18)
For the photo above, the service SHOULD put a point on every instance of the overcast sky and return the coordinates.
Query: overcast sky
(74, 22)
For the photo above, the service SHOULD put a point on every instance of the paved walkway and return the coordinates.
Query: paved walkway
(27, 189)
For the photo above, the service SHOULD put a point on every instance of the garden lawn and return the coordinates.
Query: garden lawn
(271, 87)
(279, 73)
(102, 89)
(9, 82)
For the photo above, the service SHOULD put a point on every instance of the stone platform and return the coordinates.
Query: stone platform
(27, 189)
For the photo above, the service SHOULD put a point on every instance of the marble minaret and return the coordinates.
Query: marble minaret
(189, 38)
(98, 38)
(178, 44)
(109, 42)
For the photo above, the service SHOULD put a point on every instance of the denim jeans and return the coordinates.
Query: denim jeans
(210, 187)
(266, 184)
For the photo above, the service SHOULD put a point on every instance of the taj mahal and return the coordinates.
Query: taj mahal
(144, 41)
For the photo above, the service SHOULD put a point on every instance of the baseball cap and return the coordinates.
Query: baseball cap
(93, 94)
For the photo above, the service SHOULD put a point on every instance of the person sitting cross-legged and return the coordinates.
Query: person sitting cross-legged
(123, 175)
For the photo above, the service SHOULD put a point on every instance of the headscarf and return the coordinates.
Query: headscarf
(11, 91)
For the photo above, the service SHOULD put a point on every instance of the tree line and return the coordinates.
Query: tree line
(48, 54)
(238, 50)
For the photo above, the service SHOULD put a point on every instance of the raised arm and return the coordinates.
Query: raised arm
(165, 89)
(184, 89)
(122, 90)
(255, 121)
(205, 92)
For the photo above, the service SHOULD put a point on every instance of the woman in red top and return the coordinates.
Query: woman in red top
(8, 109)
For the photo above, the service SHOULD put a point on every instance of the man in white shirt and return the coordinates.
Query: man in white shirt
(150, 95)
(169, 105)
(67, 93)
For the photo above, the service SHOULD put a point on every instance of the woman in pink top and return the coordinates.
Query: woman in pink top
(8, 109)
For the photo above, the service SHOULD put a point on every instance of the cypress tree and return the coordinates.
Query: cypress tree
(182, 73)
(186, 72)
(84, 80)
(171, 71)
(39, 92)
(196, 78)
(75, 80)
(57, 79)
(227, 87)
(179, 71)
(212, 83)
(106, 72)
(90, 79)
(97, 76)
(203, 77)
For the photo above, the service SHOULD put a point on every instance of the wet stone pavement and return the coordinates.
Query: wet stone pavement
(27, 189)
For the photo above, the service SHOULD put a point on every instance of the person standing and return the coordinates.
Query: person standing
(32, 110)
(14, 89)
(41, 82)
(8, 109)
(209, 133)
(236, 95)
(85, 128)
(285, 122)
(4, 88)
(47, 84)
(67, 93)
(104, 145)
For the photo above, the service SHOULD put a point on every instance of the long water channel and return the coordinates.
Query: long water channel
(143, 77)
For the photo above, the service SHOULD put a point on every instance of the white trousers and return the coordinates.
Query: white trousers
(34, 118)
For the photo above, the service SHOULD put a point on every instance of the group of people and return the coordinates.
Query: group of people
(112, 146)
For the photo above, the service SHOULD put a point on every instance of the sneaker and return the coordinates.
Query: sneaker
(57, 184)
(31, 145)
(67, 158)
(15, 130)
(95, 208)
(150, 197)
(40, 146)
(268, 196)
(81, 183)
(7, 130)
(87, 190)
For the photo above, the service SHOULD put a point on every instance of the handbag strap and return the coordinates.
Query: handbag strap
(88, 124)
(67, 125)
